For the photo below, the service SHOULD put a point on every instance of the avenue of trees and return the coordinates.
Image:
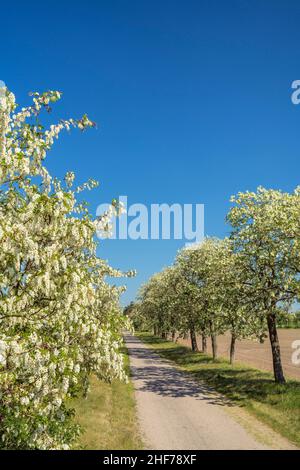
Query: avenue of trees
(60, 320)
(242, 284)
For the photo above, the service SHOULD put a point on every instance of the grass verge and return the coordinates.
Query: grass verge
(108, 416)
(255, 390)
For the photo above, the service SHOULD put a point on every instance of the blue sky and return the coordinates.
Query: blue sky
(192, 101)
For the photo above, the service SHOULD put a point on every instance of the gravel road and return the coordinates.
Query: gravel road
(175, 412)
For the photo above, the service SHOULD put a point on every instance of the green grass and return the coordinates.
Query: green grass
(255, 390)
(108, 416)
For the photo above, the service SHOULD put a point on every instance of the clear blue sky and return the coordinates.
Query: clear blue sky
(192, 99)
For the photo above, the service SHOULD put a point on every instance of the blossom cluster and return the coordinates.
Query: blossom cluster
(60, 319)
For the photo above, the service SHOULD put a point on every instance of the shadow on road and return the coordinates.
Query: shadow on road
(158, 376)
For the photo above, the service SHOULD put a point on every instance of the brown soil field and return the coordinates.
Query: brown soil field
(256, 354)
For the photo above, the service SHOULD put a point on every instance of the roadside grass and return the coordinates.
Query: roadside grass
(108, 416)
(255, 390)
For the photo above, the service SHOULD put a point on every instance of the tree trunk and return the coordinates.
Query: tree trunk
(155, 331)
(164, 335)
(173, 336)
(232, 348)
(193, 340)
(204, 344)
(214, 346)
(277, 365)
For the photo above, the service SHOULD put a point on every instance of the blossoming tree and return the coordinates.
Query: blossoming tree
(266, 238)
(60, 320)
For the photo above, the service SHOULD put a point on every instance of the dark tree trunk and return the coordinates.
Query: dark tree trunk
(204, 344)
(193, 340)
(214, 346)
(164, 335)
(277, 365)
(232, 348)
(173, 336)
(155, 331)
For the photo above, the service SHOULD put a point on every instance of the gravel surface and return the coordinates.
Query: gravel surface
(176, 412)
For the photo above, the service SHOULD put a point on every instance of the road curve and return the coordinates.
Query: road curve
(175, 412)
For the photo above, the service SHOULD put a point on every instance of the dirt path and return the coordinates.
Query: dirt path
(177, 413)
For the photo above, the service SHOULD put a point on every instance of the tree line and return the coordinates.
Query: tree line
(242, 284)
